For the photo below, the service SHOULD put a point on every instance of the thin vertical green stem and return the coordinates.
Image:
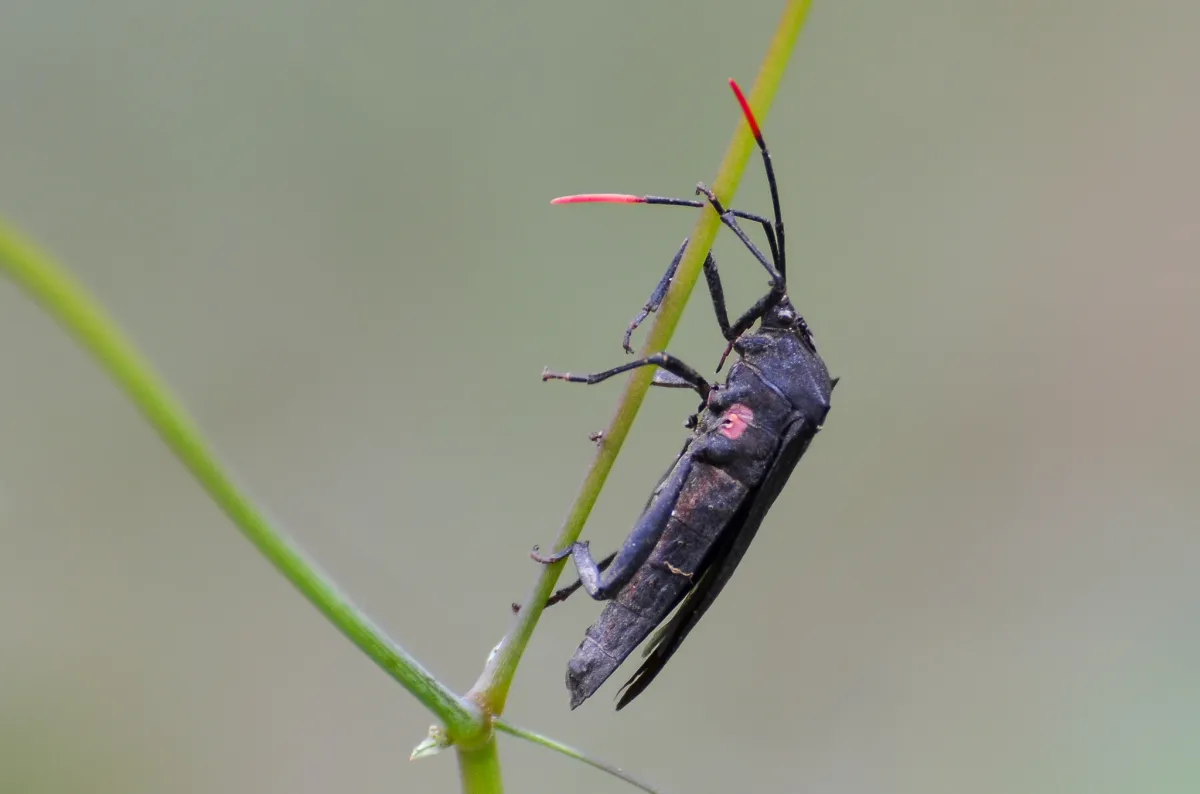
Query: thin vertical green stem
(479, 769)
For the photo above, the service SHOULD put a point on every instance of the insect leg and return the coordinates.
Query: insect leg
(666, 361)
(752, 314)
(712, 277)
(715, 291)
(666, 380)
(729, 219)
(563, 593)
(656, 297)
(637, 547)
(746, 320)
(749, 216)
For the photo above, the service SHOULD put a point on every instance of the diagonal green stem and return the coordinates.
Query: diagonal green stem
(69, 303)
(491, 690)
(571, 752)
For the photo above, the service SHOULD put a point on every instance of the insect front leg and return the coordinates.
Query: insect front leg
(603, 585)
(656, 297)
(729, 218)
(711, 277)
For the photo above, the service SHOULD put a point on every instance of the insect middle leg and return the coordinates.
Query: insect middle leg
(683, 375)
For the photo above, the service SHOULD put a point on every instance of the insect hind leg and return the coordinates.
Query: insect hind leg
(603, 585)
(563, 593)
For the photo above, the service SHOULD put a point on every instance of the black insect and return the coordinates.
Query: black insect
(747, 436)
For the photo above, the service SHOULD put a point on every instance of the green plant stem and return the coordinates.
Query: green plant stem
(491, 690)
(479, 768)
(571, 752)
(468, 721)
(69, 303)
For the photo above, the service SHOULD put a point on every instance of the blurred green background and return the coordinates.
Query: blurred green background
(328, 225)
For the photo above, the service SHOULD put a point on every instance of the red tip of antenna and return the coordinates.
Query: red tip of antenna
(749, 114)
(600, 198)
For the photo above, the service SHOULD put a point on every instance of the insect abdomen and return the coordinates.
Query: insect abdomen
(706, 506)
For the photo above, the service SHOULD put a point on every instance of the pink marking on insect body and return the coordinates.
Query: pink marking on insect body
(749, 114)
(600, 198)
(735, 421)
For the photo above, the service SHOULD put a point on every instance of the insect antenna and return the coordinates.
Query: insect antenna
(773, 231)
(627, 198)
(779, 255)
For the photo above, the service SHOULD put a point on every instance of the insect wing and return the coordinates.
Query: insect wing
(670, 636)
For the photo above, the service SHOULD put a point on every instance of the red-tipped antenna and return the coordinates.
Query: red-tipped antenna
(600, 198)
(746, 111)
(776, 239)
(766, 156)
(628, 198)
